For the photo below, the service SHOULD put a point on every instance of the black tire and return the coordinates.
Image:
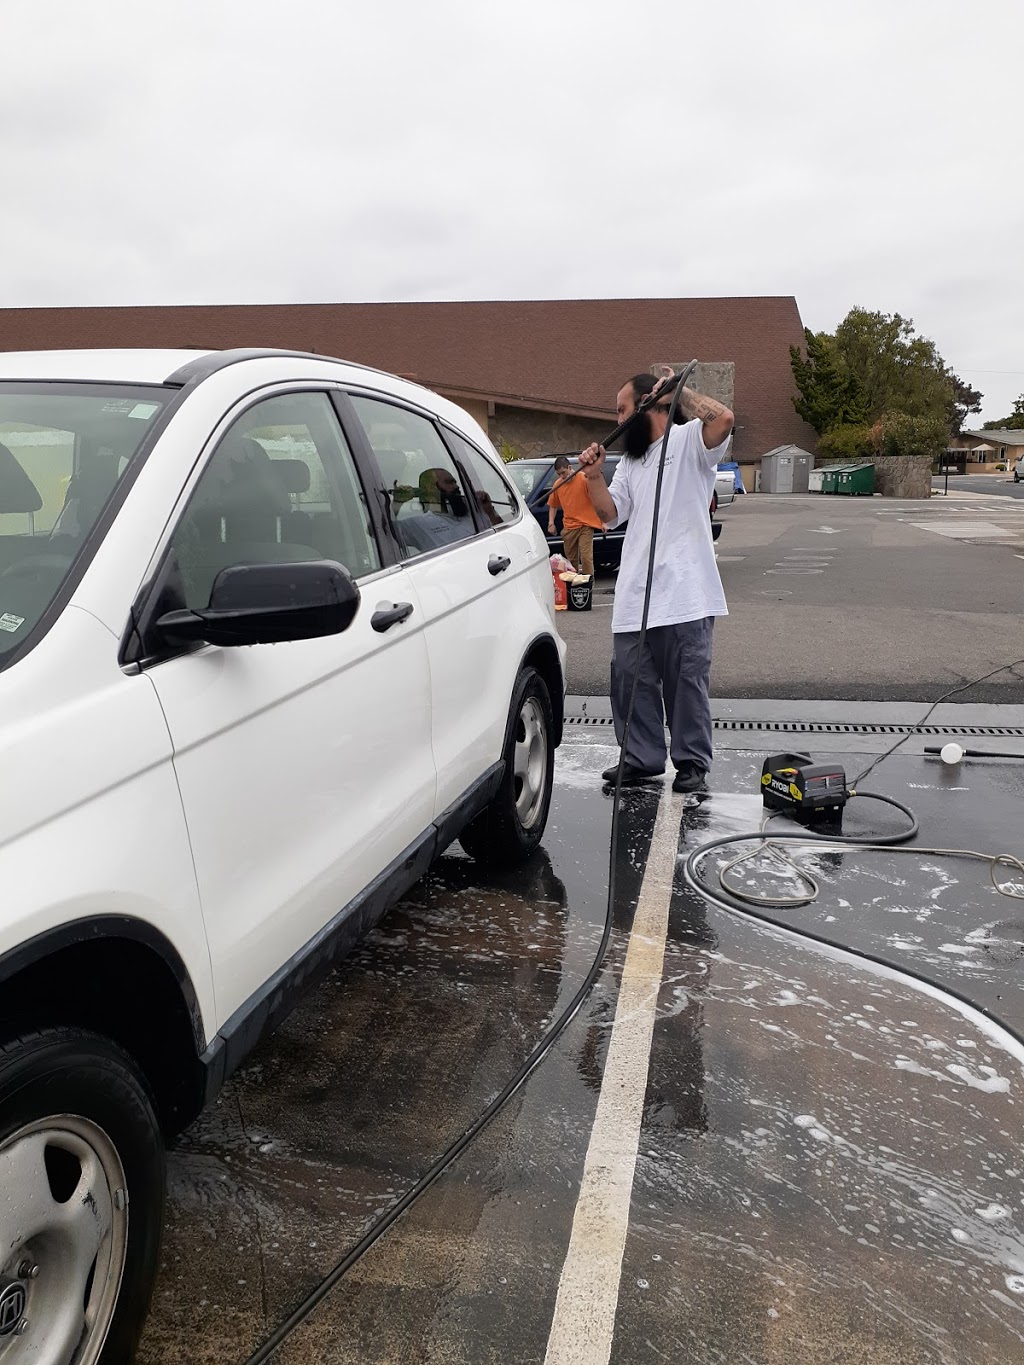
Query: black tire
(499, 837)
(1016, 477)
(61, 1072)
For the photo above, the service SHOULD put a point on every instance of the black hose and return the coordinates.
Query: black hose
(749, 912)
(554, 1031)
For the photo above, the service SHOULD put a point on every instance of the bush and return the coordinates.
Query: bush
(895, 433)
(847, 443)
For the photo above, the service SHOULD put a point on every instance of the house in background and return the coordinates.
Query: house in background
(983, 452)
(539, 376)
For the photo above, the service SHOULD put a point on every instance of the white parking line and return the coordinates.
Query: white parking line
(588, 1290)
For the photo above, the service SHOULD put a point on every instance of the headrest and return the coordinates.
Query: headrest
(294, 475)
(17, 491)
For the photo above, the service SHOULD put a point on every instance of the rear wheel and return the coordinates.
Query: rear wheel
(82, 1175)
(513, 824)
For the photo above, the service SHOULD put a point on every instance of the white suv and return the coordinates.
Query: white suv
(274, 631)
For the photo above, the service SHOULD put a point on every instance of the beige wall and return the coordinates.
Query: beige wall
(476, 407)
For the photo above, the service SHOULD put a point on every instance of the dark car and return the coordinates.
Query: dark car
(534, 479)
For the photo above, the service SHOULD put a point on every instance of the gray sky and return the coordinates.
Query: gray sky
(242, 151)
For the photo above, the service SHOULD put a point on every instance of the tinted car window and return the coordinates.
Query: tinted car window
(63, 450)
(426, 498)
(527, 477)
(281, 487)
(494, 497)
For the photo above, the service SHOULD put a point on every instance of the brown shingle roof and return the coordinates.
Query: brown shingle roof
(561, 355)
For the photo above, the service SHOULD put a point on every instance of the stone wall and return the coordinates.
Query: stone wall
(903, 476)
(530, 432)
(716, 378)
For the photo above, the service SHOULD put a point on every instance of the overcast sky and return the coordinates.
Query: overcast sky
(242, 151)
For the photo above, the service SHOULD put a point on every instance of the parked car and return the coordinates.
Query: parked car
(535, 477)
(274, 631)
(725, 487)
(1018, 470)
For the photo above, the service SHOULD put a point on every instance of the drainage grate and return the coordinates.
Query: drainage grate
(800, 727)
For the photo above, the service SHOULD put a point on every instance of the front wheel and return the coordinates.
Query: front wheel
(512, 826)
(82, 1176)
(1016, 477)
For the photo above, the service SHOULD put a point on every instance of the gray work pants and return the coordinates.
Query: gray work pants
(675, 674)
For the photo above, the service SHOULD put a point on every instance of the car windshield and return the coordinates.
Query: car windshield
(63, 449)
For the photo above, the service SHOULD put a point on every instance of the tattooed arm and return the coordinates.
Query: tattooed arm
(717, 419)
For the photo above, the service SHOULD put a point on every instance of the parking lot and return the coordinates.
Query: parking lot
(824, 1162)
(853, 598)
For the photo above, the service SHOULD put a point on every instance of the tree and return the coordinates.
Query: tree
(877, 365)
(1015, 421)
(965, 400)
(830, 396)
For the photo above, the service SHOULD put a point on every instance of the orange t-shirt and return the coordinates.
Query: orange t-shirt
(573, 497)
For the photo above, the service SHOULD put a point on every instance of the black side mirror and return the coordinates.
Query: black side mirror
(266, 604)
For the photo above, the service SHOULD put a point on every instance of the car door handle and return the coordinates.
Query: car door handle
(498, 564)
(390, 616)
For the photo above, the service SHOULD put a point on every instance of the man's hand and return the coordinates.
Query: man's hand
(592, 464)
(591, 461)
(551, 526)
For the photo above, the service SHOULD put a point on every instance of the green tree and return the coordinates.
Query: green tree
(830, 395)
(877, 365)
(1015, 421)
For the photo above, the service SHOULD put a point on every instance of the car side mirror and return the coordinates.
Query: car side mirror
(266, 604)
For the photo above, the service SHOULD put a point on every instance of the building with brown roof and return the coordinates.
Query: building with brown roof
(540, 376)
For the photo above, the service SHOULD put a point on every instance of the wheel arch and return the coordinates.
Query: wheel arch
(122, 978)
(542, 655)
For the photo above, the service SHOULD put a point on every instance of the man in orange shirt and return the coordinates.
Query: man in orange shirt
(579, 520)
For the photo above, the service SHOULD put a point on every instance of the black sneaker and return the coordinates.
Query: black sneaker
(689, 778)
(630, 775)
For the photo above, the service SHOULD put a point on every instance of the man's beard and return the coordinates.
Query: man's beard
(638, 437)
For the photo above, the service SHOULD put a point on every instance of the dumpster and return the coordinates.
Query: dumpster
(816, 476)
(855, 479)
(830, 478)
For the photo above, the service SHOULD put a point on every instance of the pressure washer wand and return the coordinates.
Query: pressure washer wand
(650, 401)
(670, 384)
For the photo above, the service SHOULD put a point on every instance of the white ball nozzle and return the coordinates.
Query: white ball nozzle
(951, 753)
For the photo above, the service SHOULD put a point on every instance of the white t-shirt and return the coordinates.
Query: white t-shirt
(686, 584)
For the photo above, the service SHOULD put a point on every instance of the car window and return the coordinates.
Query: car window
(63, 450)
(526, 477)
(426, 498)
(280, 487)
(494, 497)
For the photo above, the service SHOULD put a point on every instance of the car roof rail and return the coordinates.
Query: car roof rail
(195, 371)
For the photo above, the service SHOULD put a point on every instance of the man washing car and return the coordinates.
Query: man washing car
(686, 592)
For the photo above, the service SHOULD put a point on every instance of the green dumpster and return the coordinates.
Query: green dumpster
(855, 479)
(830, 479)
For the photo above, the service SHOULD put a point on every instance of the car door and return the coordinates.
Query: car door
(305, 768)
(464, 568)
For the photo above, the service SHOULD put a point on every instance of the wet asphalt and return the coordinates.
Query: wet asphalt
(829, 1164)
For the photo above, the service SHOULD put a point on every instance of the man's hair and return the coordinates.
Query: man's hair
(561, 462)
(643, 384)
